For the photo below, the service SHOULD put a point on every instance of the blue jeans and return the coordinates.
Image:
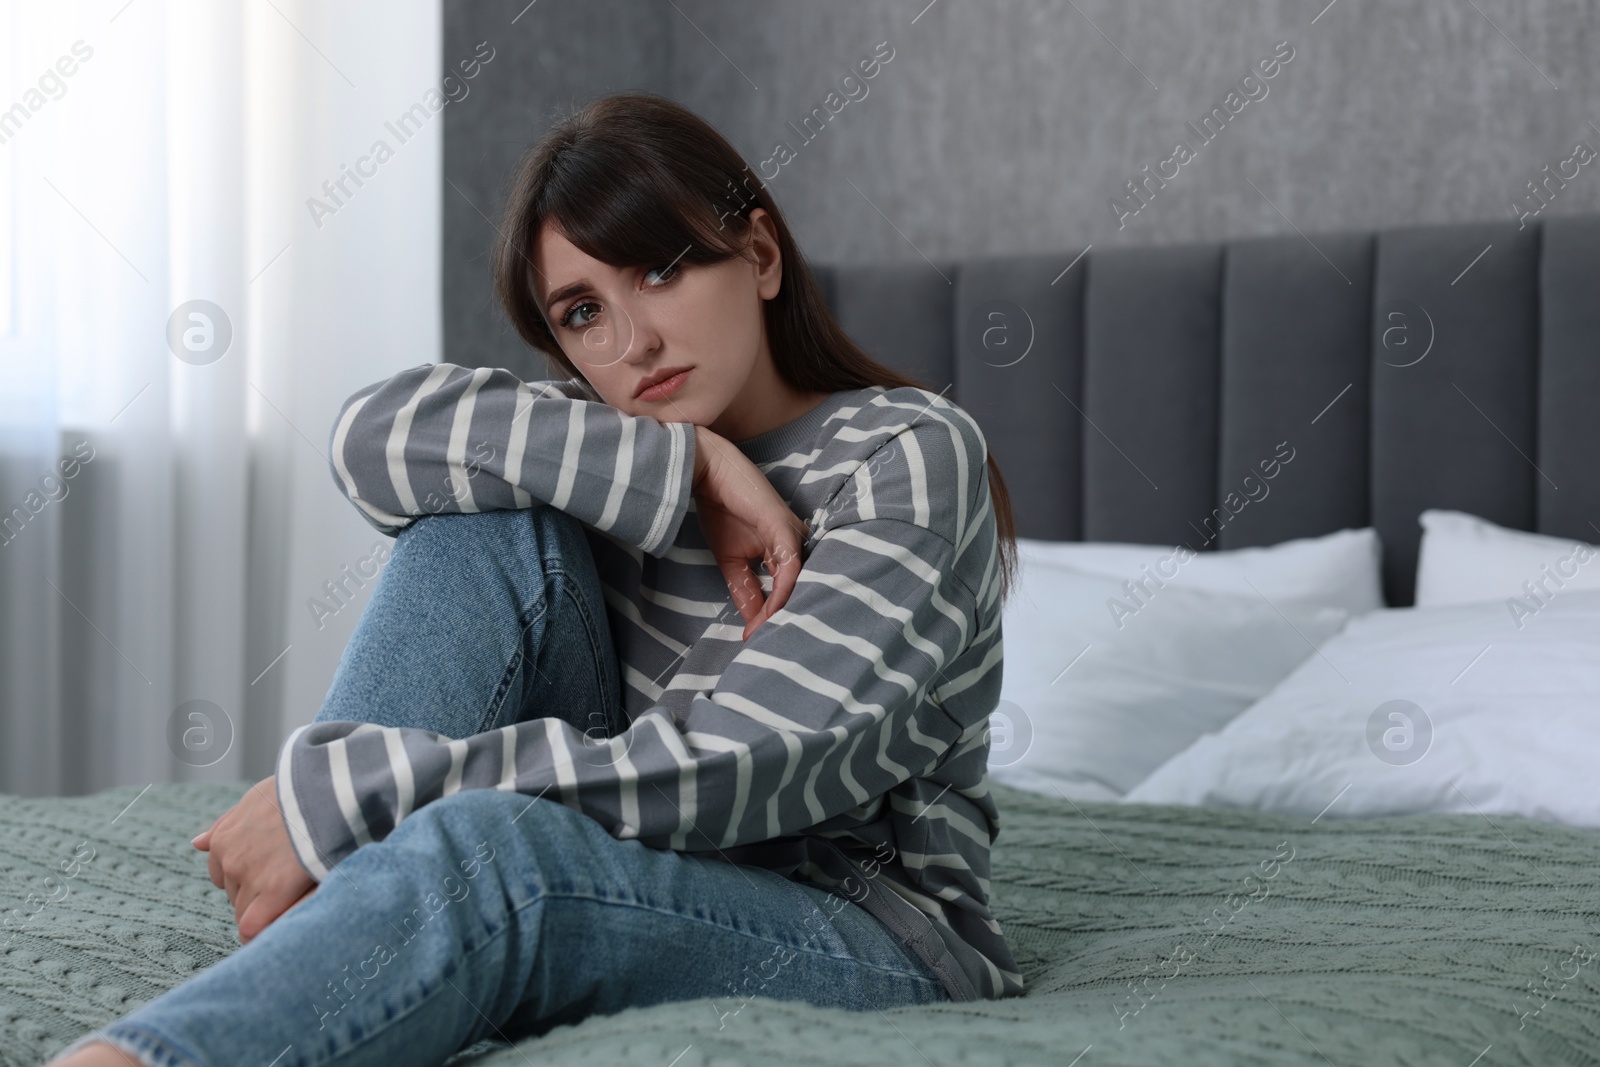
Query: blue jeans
(487, 916)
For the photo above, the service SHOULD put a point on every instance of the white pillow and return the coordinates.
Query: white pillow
(1342, 569)
(1464, 558)
(1099, 687)
(1491, 719)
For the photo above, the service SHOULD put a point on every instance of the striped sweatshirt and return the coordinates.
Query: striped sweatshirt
(845, 744)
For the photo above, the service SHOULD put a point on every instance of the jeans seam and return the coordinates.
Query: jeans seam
(161, 1046)
(612, 701)
(558, 575)
(503, 688)
(642, 906)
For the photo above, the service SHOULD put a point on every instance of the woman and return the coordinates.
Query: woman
(645, 801)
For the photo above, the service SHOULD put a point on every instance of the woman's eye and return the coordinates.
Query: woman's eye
(566, 319)
(670, 271)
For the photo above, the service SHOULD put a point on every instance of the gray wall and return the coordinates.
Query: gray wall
(1006, 126)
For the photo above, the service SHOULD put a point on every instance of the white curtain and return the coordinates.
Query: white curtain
(176, 333)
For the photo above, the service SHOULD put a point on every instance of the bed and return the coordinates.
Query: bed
(1427, 912)
(1400, 940)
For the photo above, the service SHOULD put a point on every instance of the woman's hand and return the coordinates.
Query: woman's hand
(743, 518)
(252, 859)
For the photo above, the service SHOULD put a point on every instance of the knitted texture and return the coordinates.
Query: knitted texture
(1404, 940)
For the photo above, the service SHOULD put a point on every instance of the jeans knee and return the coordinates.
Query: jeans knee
(540, 537)
(505, 548)
(478, 828)
(458, 820)
(445, 845)
(471, 525)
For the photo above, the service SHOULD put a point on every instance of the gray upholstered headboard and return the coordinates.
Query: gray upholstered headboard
(1129, 398)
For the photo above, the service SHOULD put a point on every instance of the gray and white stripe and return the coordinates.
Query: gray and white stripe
(854, 721)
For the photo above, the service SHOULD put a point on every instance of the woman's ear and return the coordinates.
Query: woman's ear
(768, 257)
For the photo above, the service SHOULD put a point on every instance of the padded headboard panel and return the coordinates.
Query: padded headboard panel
(1129, 397)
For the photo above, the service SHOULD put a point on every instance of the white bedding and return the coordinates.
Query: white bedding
(1465, 703)
(1492, 718)
(1463, 558)
(1339, 570)
(1107, 676)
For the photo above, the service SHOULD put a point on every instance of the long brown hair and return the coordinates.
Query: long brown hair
(632, 179)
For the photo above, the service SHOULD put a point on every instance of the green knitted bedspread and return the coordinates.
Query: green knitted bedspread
(1413, 940)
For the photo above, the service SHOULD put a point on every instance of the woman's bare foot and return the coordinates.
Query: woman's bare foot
(96, 1054)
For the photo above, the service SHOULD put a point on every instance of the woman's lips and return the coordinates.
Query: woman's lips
(665, 388)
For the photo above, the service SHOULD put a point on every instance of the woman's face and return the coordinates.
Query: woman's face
(625, 327)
